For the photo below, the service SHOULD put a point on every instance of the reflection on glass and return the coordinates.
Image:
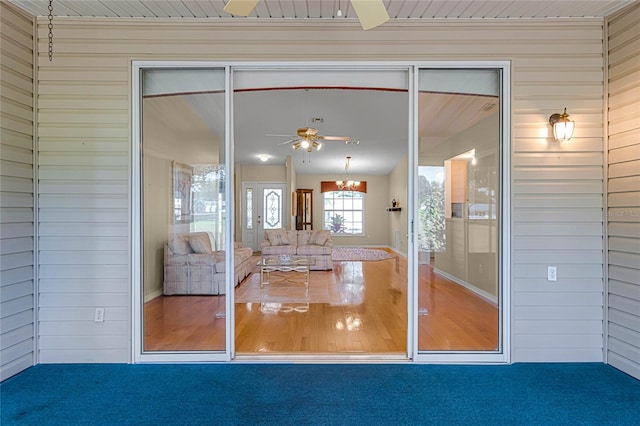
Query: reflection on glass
(458, 211)
(183, 179)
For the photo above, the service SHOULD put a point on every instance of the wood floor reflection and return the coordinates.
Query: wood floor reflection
(366, 314)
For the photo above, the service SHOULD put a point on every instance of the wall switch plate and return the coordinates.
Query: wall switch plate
(99, 315)
(552, 273)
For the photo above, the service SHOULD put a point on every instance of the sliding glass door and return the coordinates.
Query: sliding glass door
(183, 176)
(459, 210)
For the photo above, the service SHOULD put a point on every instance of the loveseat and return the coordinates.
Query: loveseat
(192, 265)
(317, 244)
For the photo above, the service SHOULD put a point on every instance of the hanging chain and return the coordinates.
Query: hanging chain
(50, 30)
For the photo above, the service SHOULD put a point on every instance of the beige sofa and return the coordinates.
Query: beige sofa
(317, 244)
(192, 265)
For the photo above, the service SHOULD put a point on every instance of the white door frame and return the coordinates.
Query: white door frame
(411, 66)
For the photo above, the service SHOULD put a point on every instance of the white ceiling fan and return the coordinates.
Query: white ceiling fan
(308, 138)
(371, 13)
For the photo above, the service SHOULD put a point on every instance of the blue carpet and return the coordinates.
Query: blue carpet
(309, 394)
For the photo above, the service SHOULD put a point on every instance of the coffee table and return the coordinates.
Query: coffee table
(277, 264)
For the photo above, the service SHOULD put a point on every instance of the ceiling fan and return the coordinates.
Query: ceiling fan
(371, 13)
(308, 138)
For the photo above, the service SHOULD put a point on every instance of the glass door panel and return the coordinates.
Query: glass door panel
(184, 210)
(458, 211)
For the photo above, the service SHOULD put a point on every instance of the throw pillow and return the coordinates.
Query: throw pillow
(200, 243)
(180, 245)
(319, 237)
(278, 237)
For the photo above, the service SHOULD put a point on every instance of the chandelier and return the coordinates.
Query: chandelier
(347, 184)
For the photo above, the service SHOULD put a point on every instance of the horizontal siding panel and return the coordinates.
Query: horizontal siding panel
(626, 365)
(534, 242)
(84, 328)
(624, 139)
(16, 260)
(17, 230)
(558, 328)
(81, 172)
(629, 168)
(83, 117)
(556, 200)
(16, 275)
(16, 361)
(87, 187)
(85, 88)
(12, 168)
(631, 230)
(84, 243)
(16, 306)
(626, 290)
(558, 173)
(624, 319)
(82, 159)
(67, 257)
(621, 88)
(66, 285)
(529, 354)
(626, 245)
(624, 304)
(534, 144)
(624, 214)
(559, 299)
(84, 271)
(559, 313)
(18, 320)
(16, 184)
(17, 155)
(15, 139)
(18, 95)
(556, 229)
(625, 349)
(621, 273)
(559, 187)
(561, 160)
(95, 341)
(629, 260)
(15, 291)
(627, 153)
(557, 215)
(85, 215)
(16, 124)
(85, 201)
(625, 199)
(84, 102)
(84, 229)
(616, 332)
(559, 341)
(17, 111)
(16, 215)
(568, 271)
(72, 313)
(578, 285)
(17, 29)
(16, 337)
(102, 356)
(80, 300)
(99, 131)
(625, 184)
(82, 145)
(558, 256)
(15, 199)
(18, 62)
(13, 245)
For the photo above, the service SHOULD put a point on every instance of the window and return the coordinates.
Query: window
(343, 212)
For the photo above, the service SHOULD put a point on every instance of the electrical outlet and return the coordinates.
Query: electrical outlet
(99, 315)
(552, 273)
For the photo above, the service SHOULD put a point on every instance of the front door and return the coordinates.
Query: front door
(263, 207)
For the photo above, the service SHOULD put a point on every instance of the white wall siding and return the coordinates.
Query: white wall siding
(16, 192)
(623, 213)
(84, 129)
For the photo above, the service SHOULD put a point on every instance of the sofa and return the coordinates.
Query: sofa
(305, 243)
(192, 265)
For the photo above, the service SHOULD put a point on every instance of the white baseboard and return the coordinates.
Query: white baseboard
(152, 295)
(487, 296)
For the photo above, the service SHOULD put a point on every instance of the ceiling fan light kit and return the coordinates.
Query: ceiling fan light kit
(371, 13)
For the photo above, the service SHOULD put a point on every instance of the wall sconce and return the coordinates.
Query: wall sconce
(562, 126)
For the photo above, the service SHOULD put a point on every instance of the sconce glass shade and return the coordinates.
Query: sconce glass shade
(562, 126)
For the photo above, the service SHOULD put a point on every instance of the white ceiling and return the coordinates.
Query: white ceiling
(326, 9)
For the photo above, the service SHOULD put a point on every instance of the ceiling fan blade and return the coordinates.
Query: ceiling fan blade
(334, 138)
(289, 141)
(240, 7)
(371, 13)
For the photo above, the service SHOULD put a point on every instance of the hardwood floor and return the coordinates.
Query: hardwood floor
(366, 314)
